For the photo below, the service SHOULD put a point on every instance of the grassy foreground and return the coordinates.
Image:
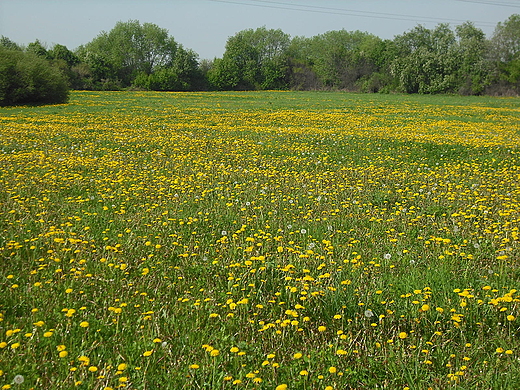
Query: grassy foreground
(268, 240)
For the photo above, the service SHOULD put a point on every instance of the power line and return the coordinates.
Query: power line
(346, 12)
(369, 12)
(500, 4)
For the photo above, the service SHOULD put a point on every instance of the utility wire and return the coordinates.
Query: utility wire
(370, 13)
(339, 11)
(500, 4)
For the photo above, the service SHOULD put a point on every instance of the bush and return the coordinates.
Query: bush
(27, 78)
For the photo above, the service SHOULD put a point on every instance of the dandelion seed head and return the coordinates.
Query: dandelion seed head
(18, 379)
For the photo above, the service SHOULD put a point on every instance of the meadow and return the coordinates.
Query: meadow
(260, 240)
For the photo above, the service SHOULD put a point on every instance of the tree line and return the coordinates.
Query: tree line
(145, 57)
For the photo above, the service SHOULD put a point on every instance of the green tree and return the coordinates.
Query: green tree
(28, 78)
(426, 61)
(181, 75)
(505, 53)
(132, 49)
(224, 74)
(339, 59)
(471, 50)
(254, 59)
(37, 48)
(60, 52)
(9, 44)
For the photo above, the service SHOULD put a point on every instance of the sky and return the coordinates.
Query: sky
(205, 25)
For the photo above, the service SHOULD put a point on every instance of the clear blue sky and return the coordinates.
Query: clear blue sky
(205, 25)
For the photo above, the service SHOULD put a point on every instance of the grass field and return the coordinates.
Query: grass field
(260, 240)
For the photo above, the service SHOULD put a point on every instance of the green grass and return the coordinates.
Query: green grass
(312, 239)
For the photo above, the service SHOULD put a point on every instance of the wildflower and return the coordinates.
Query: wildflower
(297, 355)
(85, 360)
(333, 370)
(147, 353)
(322, 328)
(403, 335)
(194, 366)
(214, 352)
(84, 324)
(18, 379)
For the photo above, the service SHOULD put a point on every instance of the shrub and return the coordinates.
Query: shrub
(27, 78)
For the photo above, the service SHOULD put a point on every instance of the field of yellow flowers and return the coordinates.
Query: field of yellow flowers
(260, 240)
